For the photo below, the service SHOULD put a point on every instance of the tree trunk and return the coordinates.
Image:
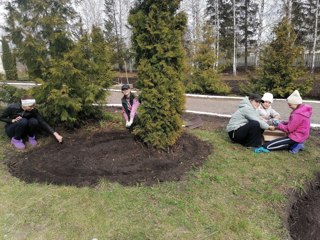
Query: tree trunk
(315, 37)
(261, 12)
(234, 40)
(217, 31)
(246, 36)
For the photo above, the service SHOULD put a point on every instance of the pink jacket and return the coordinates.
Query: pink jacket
(298, 125)
(132, 109)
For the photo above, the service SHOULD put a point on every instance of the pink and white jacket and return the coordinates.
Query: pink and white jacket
(298, 125)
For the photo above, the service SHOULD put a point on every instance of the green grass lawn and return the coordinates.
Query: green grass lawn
(236, 194)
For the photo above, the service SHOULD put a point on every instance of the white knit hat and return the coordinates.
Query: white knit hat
(28, 102)
(267, 97)
(295, 98)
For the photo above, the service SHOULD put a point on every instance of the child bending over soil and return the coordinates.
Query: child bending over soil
(130, 104)
(23, 119)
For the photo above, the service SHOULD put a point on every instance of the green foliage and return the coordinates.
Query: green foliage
(9, 61)
(73, 69)
(76, 82)
(281, 65)
(11, 94)
(204, 77)
(157, 32)
(40, 31)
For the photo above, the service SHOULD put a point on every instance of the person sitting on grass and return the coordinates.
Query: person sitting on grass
(266, 112)
(297, 127)
(245, 126)
(130, 104)
(23, 120)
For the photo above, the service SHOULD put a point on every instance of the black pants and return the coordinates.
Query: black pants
(249, 135)
(283, 143)
(23, 127)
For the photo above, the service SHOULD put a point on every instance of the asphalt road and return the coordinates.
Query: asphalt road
(225, 106)
(212, 105)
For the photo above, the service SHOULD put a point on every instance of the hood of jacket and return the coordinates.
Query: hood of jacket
(304, 110)
(245, 102)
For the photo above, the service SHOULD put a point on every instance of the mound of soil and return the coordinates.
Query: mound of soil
(304, 219)
(87, 156)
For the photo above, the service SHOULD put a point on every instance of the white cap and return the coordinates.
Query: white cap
(267, 97)
(295, 98)
(28, 102)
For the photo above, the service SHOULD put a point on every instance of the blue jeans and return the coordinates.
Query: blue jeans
(22, 128)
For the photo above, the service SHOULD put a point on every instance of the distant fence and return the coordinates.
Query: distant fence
(251, 60)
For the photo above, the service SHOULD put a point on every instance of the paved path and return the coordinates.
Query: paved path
(210, 105)
(225, 106)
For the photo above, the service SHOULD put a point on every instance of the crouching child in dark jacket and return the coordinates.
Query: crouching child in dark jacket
(23, 120)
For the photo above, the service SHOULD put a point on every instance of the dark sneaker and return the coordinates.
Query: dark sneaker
(17, 143)
(32, 141)
(296, 148)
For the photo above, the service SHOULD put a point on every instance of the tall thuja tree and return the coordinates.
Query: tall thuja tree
(77, 81)
(205, 77)
(40, 30)
(157, 31)
(281, 64)
(8, 60)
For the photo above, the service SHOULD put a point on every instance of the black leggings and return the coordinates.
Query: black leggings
(249, 135)
(23, 127)
(283, 143)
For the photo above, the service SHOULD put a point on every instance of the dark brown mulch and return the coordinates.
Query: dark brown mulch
(87, 156)
(304, 218)
(304, 208)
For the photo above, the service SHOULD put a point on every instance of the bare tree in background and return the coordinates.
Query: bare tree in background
(117, 34)
(217, 33)
(260, 29)
(234, 68)
(91, 12)
(287, 8)
(315, 37)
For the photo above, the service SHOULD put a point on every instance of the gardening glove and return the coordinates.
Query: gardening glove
(128, 124)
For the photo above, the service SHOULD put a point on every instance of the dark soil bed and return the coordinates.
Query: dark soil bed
(87, 156)
(304, 219)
